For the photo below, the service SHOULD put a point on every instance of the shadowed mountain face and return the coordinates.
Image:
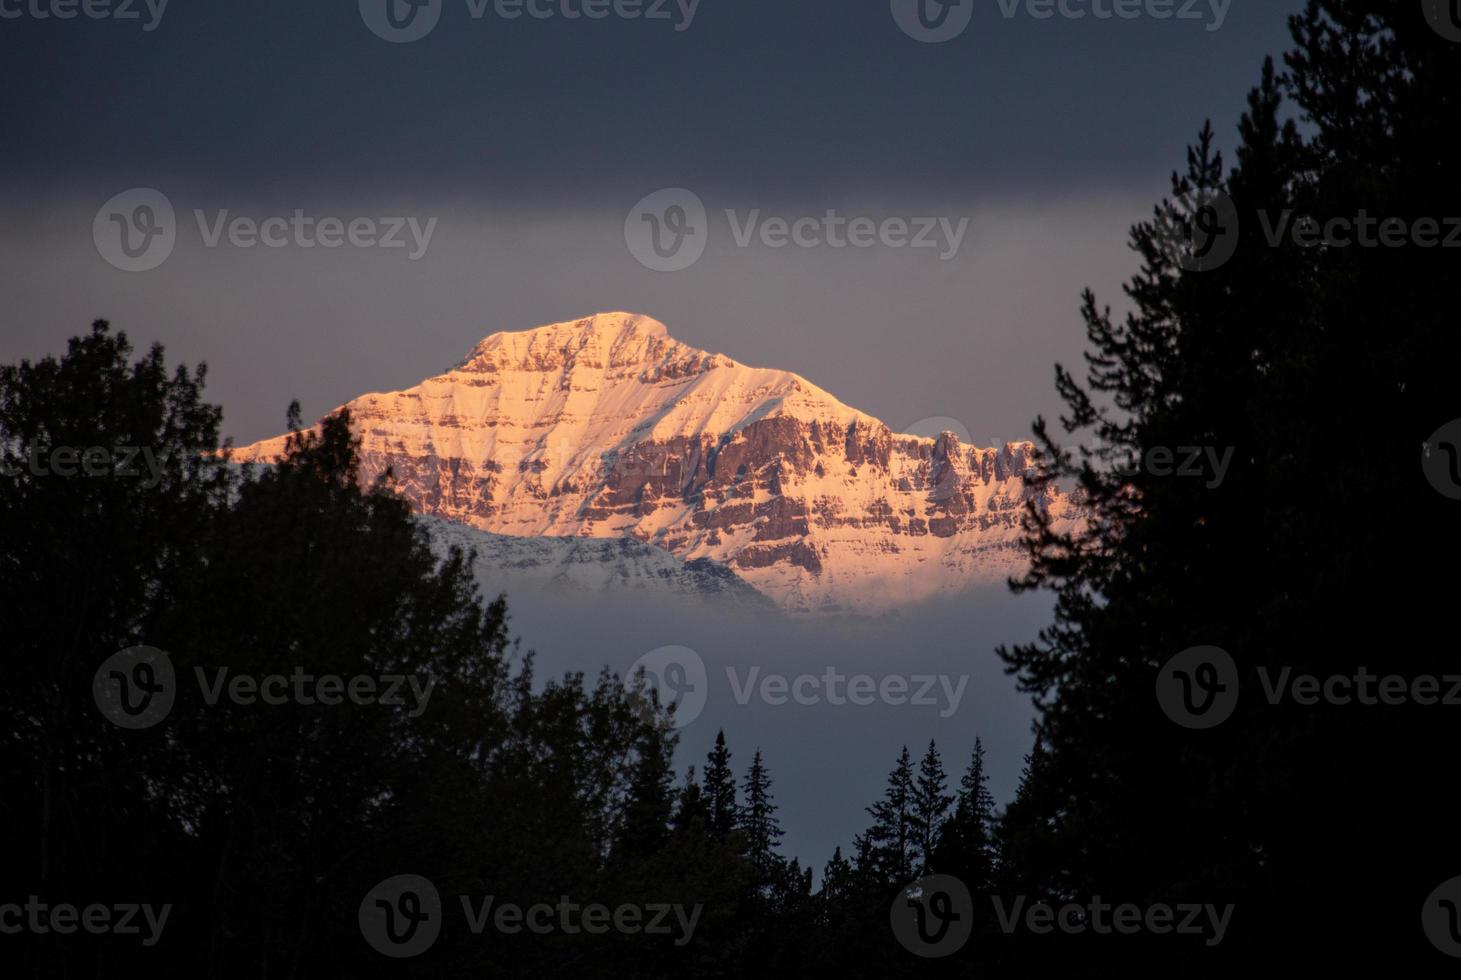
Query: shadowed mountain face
(608, 427)
(594, 567)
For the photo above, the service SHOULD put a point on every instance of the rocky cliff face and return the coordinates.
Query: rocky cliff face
(608, 427)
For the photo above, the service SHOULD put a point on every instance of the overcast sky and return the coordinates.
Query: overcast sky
(529, 140)
(525, 145)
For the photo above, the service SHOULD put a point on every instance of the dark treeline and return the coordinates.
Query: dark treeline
(263, 826)
(1329, 367)
(1323, 549)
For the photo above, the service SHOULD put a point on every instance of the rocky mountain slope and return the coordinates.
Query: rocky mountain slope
(607, 427)
(593, 566)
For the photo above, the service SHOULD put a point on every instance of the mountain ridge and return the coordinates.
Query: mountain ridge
(607, 426)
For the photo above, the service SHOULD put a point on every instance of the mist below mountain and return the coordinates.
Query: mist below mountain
(828, 761)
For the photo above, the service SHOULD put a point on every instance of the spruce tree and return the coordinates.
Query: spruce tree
(691, 815)
(836, 883)
(966, 846)
(719, 789)
(1016, 831)
(758, 824)
(649, 807)
(930, 804)
(889, 847)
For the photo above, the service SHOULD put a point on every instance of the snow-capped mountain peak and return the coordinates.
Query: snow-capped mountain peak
(620, 338)
(609, 427)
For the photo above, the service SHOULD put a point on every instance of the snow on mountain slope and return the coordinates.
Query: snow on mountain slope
(607, 427)
(579, 565)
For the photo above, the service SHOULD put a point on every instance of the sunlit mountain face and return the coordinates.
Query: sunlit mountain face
(609, 427)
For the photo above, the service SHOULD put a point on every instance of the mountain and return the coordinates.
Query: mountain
(594, 566)
(607, 427)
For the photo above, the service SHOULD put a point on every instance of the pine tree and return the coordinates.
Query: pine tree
(720, 789)
(888, 847)
(836, 883)
(758, 823)
(966, 846)
(929, 806)
(691, 815)
(792, 908)
(865, 856)
(648, 808)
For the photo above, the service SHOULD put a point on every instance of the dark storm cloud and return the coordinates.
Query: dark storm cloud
(771, 97)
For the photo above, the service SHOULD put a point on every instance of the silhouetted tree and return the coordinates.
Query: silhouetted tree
(719, 789)
(930, 805)
(966, 845)
(758, 824)
(1296, 357)
(275, 819)
(889, 845)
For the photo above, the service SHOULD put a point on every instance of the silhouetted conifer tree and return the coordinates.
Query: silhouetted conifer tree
(719, 789)
(758, 824)
(889, 846)
(930, 805)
